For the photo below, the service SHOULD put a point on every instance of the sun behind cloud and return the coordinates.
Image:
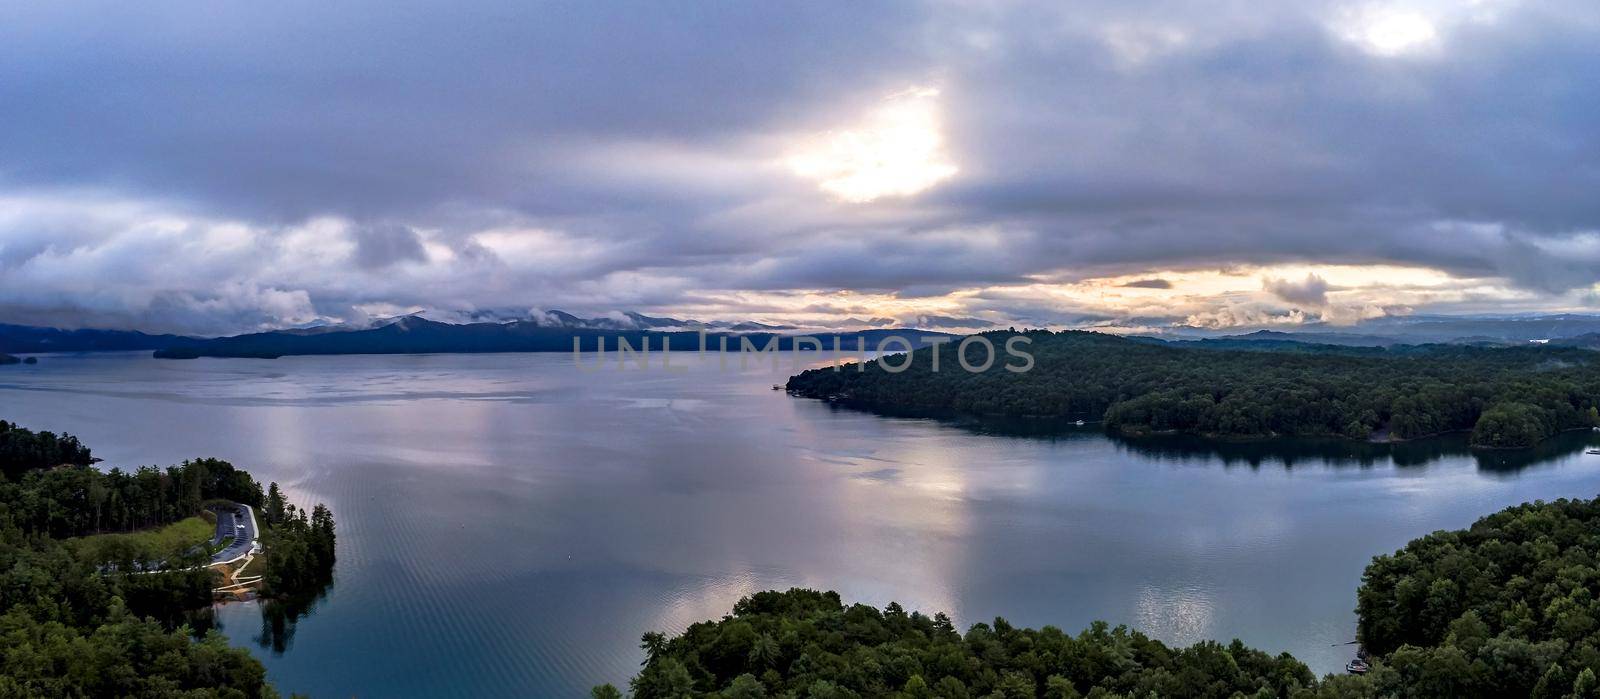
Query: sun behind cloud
(898, 150)
(1388, 31)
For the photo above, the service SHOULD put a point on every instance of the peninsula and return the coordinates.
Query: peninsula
(1508, 397)
(101, 571)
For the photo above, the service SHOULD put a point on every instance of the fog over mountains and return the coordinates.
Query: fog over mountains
(1233, 166)
(555, 330)
(549, 331)
(1559, 329)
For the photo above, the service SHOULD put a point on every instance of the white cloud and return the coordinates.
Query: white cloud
(1390, 28)
(1098, 144)
(1135, 44)
(1310, 291)
(1239, 315)
(898, 150)
(1387, 30)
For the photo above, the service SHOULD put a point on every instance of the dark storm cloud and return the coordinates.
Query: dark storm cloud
(381, 245)
(222, 168)
(1148, 284)
(373, 109)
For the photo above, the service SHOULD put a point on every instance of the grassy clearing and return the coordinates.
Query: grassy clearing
(150, 544)
(257, 566)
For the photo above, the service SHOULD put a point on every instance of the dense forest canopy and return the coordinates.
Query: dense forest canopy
(23, 450)
(804, 643)
(73, 624)
(302, 546)
(78, 500)
(1507, 397)
(1506, 608)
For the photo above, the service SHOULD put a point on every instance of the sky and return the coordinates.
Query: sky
(215, 168)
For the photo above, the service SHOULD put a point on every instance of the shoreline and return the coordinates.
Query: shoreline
(1136, 433)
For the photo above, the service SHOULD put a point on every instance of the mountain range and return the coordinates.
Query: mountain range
(547, 331)
(1563, 328)
(23, 339)
(418, 335)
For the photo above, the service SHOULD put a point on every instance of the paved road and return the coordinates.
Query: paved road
(239, 522)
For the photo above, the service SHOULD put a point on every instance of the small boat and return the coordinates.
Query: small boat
(1357, 667)
(1078, 423)
(1593, 451)
(776, 387)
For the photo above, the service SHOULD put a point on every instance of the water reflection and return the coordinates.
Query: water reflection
(1184, 615)
(280, 617)
(509, 526)
(1285, 452)
(1348, 453)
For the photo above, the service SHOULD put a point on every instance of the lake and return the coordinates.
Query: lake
(509, 524)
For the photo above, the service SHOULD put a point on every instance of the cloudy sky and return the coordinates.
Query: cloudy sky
(215, 168)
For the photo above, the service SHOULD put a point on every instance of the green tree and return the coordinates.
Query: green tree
(1586, 686)
(273, 510)
(666, 679)
(745, 686)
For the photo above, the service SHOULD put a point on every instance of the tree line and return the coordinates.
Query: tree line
(73, 626)
(77, 500)
(302, 547)
(22, 450)
(1505, 608)
(805, 643)
(1506, 396)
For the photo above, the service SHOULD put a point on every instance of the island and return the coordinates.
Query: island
(1507, 397)
(102, 572)
(1504, 608)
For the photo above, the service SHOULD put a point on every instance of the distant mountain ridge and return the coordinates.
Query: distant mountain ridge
(1412, 330)
(418, 335)
(628, 320)
(555, 330)
(23, 339)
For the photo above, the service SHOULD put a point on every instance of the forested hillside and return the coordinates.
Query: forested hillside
(1506, 608)
(73, 624)
(1507, 397)
(804, 643)
(22, 450)
(302, 546)
(78, 500)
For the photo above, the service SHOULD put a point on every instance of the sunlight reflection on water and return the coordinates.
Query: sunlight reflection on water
(510, 525)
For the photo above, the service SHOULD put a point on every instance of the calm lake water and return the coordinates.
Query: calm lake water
(510, 525)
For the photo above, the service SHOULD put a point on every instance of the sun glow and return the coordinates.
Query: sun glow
(1388, 31)
(897, 151)
(1217, 298)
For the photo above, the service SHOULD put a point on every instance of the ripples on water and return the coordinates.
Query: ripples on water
(510, 525)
